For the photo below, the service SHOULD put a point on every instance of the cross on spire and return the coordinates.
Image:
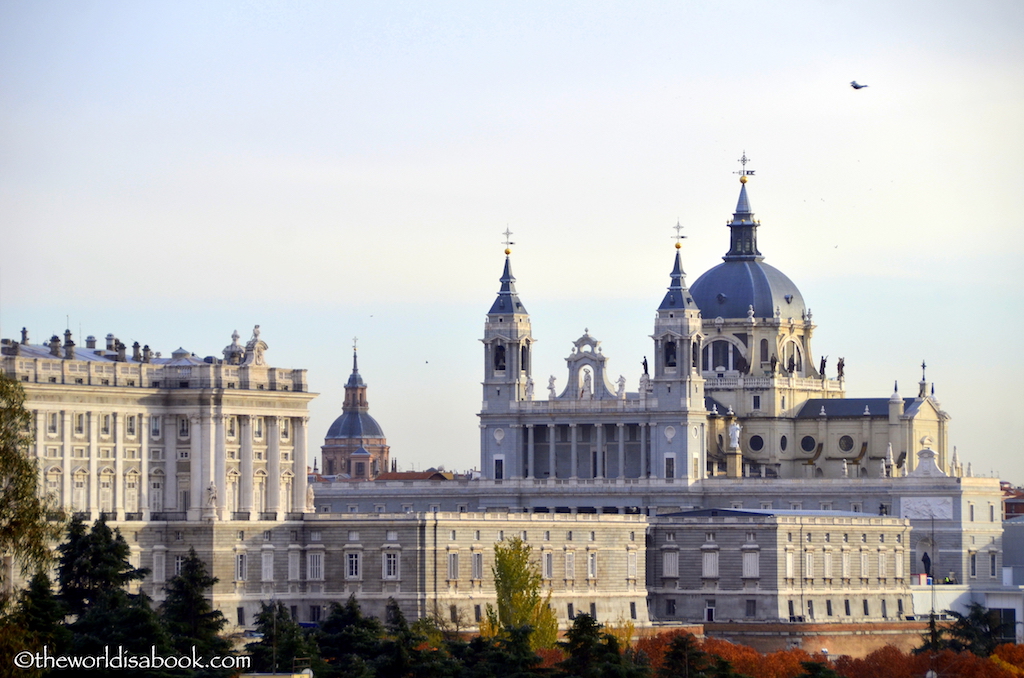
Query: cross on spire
(743, 171)
(355, 340)
(508, 241)
(679, 233)
(923, 366)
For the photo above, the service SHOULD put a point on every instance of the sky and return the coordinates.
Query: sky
(173, 171)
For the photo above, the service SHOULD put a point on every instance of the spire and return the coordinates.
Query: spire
(508, 298)
(743, 240)
(354, 380)
(678, 295)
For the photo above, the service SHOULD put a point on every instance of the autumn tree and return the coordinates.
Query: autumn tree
(27, 532)
(517, 585)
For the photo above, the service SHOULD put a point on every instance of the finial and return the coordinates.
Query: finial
(355, 340)
(923, 367)
(508, 242)
(744, 172)
(679, 233)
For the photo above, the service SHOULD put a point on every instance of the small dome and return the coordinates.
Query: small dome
(354, 425)
(730, 289)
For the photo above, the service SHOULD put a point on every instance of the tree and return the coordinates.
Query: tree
(284, 644)
(979, 631)
(26, 529)
(517, 586)
(93, 564)
(684, 659)
(593, 654)
(187, 614)
(817, 670)
(349, 641)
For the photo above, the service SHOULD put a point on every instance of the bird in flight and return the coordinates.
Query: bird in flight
(854, 85)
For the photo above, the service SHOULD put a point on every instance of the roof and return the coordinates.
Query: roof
(677, 297)
(720, 512)
(415, 475)
(354, 424)
(508, 298)
(42, 351)
(852, 407)
(731, 288)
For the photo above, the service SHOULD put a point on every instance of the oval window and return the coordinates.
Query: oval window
(756, 443)
(807, 443)
(783, 443)
(846, 443)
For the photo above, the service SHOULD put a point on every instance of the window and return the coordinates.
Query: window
(709, 610)
(670, 564)
(970, 511)
(865, 566)
(867, 612)
(129, 425)
(974, 564)
(593, 611)
(352, 563)
(154, 427)
(240, 615)
(670, 467)
(547, 535)
(828, 565)
(548, 565)
(568, 535)
(808, 565)
(670, 607)
(592, 565)
(828, 608)
(51, 426)
(240, 567)
(751, 608)
(710, 562)
(846, 565)
(478, 565)
(293, 566)
(453, 565)
(353, 537)
(79, 424)
(392, 535)
(593, 536)
(571, 611)
(632, 609)
(885, 611)
(451, 536)
(756, 405)
(284, 429)
(105, 426)
(314, 612)
(315, 565)
(183, 427)
(477, 614)
(789, 565)
(267, 566)
(453, 613)
(992, 563)
(670, 536)
(751, 564)
(316, 535)
(390, 565)
(810, 609)
(258, 427)
(883, 564)
(991, 513)
(570, 565)
(178, 562)
(846, 606)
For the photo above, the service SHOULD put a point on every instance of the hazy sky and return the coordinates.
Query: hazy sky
(173, 171)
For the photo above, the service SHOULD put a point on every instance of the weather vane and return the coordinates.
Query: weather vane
(355, 340)
(679, 233)
(508, 241)
(744, 172)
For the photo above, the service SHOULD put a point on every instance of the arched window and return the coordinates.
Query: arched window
(499, 357)
(524, 361)
(722, 354)
(764, 351)
(670, 354)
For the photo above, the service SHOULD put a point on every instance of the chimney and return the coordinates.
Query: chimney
(136, 352)
(121, 349)
(69, 350)
(24, 336)
(146, 354)
(55, 346)
(111, 341)
(90, 341)
(67, 337)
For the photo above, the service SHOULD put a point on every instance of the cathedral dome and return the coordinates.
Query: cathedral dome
(730, 289)
(354, 424)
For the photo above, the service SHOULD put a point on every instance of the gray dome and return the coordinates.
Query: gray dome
(729, 289)
(354, 425)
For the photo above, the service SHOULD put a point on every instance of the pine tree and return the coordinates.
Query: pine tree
(285, 646)
(593, 654)
(684, 659)
(92, 564)
(348, 640)
(41, 614)
(26, 529)
(188, 615)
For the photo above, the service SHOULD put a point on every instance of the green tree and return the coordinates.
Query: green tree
(27, 528)
(349, 641)
(979, 631)
(818, 670)
(593, 654)
(285, 646)
(36, 622)
(517, 586)
(188, 615)
(92, 564)
(684, 659)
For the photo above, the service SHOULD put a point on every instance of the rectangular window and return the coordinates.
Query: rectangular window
(810, 609)
(478, 565)
(899, 606)
(828, 564)
(592, 565)
(51, 427)
(353, 537)
(352, 566)
(883, 565)
(757, 406)
(992, 564)
(285, 431)
(571, 611)
(751, 608)
(670, 564)
(991, 513)
(79, 424)
(670, 467)
(293, 566)
(548, 567)
(751, 564)
(867, 610)
(789, 565)
(865, 566)
(129, 425)
(974, 564)
(971, 512)
(632, 609)
(477, 614)
(315, 611)
(154, 427)
(670, 607)
(846, 606)
(846, 564)
(710, 564)
(453, 565)
(593, 611)
(315, 566)
(183, 427)
(828, 608)
(240, 567)
(178, 562)
(267, 565)
(570, 565)
(391, 565)
(392, 535)
(808, 565)
(885, 610)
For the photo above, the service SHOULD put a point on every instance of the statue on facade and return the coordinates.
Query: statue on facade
(620, 392)
(841, 365)
(586, 392)
(791, 365)
(255, 348)
(927, 562)
(645, 364)
(551, 388)
(211, 495)
(529, 388)
(821, 366)
(645, 385)
(734, 435)
(309, 498)
(775, 362)
(846, 469)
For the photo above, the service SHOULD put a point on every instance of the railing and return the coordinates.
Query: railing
(268, 515)
(240, 515)
(168, 515)
(137, 515)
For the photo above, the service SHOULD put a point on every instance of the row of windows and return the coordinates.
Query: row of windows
(992, 564)
(352, 563)
(827, 570)
(79, 424)
(547, 561)
(991, 513)
(751, 561)
(524, 535)
(827, 537)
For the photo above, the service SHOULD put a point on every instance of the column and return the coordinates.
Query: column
(599, 470)
(575, 452)
(530, 469)
(195, 469)
(246, 470)
(93, 452)
(220, 468)
(67, 451)
(620, 429)
(116, 421)
(299, 454)
(170, 463)
(551, 451)
(143, 431)
(273, 465)
(645, 457)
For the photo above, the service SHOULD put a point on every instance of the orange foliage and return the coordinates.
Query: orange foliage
(890, 662)
(1011, 654)
(747, 660)
(550, 656)
(656, 645)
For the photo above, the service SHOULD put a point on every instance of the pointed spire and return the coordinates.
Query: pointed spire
(354, 380)
(678, 295)
(508, 298)
(743, 240)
